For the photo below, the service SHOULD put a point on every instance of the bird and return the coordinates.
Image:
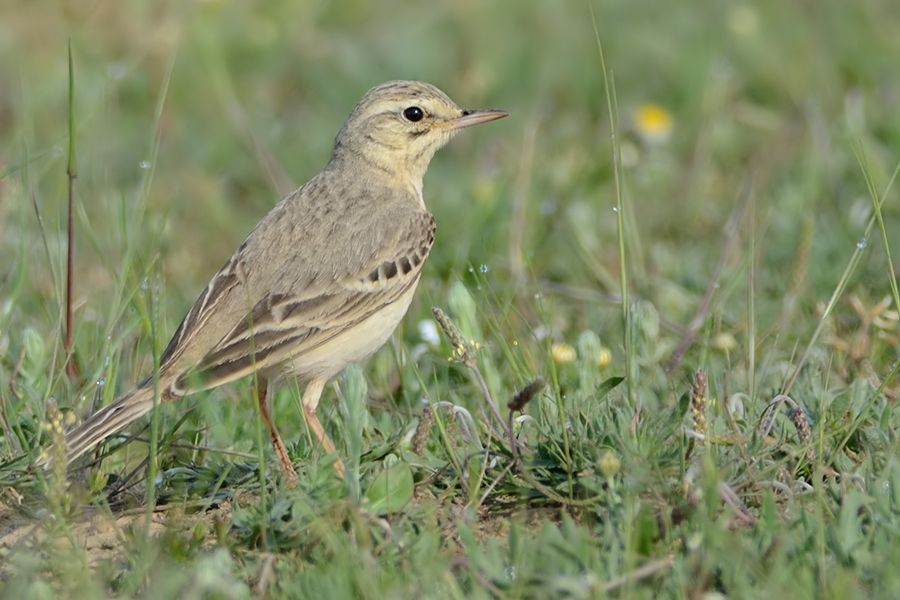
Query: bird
(322, 280)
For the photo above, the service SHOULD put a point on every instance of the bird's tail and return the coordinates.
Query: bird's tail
(108, 420)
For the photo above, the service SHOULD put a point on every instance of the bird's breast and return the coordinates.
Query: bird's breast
(354, 345)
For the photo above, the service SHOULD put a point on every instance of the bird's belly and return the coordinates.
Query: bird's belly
(351, 346)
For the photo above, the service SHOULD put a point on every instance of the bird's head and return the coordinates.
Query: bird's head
(399, 125)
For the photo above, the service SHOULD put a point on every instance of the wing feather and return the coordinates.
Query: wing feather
(285, 325)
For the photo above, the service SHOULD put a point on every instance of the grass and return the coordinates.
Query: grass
(753, 451)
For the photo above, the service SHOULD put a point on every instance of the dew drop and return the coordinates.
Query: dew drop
(145, 164)
(101, 382)
(861, 244)
(615, 209)
(484, 268)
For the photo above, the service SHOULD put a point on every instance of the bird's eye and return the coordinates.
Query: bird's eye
(414, 114)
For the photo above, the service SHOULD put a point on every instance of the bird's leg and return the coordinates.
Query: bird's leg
(287, 467)
(311, 396)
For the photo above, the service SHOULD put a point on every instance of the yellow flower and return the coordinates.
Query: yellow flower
(724, 342)
(653, 123)
(604, 358)
(563, 353)
(609, 464)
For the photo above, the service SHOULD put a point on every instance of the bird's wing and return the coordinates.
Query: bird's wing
(304, 244)
(290, 319)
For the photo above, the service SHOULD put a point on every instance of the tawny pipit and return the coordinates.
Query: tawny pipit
(323, 280)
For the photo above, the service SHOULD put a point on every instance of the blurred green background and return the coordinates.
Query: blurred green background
(256, 92)
(193, 118)
(762, 92)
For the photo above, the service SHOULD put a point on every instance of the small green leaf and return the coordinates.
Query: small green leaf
(646, 529)
(607, 386)
(684, 403)
(464, 310)
(391, 490)
(848, 531)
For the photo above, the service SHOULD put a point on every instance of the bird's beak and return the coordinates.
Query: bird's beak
(475, 117)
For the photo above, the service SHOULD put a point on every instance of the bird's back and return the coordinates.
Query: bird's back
(331, 230)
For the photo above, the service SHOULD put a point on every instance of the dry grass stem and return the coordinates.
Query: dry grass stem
(426, 421)
(698, 405)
